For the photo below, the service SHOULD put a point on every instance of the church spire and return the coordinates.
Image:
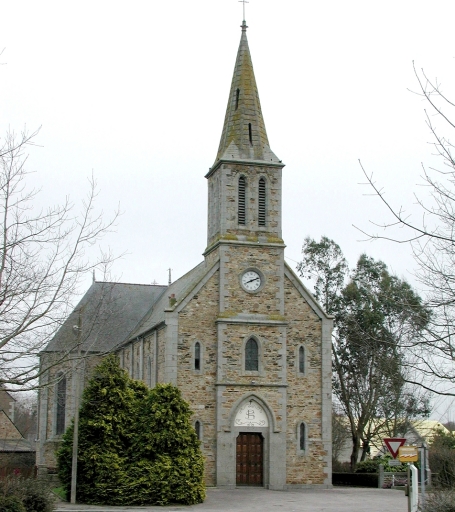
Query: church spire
(244, 135)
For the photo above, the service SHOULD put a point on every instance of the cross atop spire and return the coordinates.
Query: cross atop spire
(244, 2)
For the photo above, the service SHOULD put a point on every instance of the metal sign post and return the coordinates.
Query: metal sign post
(422, 473)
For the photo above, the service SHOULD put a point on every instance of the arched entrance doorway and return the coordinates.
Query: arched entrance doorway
(249, 443)
(250, 419)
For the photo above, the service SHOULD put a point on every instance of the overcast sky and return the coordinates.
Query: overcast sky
(136, 92)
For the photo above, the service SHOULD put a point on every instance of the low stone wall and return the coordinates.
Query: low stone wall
(388, 480)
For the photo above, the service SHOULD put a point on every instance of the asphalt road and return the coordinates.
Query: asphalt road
(338, 499)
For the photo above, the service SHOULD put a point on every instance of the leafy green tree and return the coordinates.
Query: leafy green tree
(136, 446)
(375, 314)
(325, 263)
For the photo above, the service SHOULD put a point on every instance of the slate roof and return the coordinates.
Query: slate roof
(15, 441)
(16, 445)
(108, 312)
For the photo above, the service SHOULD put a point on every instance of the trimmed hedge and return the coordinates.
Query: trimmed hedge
(356, 479)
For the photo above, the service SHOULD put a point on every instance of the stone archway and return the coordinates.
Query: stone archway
(250, 449)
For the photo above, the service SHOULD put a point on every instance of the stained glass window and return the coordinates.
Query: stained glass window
(251, 355)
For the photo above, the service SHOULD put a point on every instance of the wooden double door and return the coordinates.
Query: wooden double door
(250, 459)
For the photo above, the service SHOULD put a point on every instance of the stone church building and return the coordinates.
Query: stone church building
(239, 334)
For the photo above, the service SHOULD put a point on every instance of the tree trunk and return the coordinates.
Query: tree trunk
(365, 450)
(355, 451)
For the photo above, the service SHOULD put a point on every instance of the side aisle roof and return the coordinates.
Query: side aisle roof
(107, 313)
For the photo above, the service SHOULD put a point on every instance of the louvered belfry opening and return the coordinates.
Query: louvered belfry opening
(261, 203)
(241, 205)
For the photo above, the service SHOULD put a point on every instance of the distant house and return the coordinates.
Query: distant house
(17, 455)
(417, 432)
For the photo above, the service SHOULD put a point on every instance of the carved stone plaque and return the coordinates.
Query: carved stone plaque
(251, 414)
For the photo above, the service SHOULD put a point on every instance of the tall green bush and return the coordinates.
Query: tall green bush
(168, 450)
(136, 446)
(442, 458)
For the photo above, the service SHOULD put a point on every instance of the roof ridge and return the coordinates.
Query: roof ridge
(134, 284)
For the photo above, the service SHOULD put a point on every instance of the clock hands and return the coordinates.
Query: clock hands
(254, 279)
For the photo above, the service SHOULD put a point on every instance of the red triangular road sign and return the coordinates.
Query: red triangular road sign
(393, 444)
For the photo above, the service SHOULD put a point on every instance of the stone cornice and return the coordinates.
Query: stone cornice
(250, 384)
(256, 163)
(229, 241)
(242, 318)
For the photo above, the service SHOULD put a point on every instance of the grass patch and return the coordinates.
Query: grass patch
(60, 492)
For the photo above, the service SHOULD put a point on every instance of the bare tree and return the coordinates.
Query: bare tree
(43, 259)
(432, 241)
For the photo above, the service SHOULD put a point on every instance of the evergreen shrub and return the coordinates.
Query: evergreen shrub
(442, 459)
(25, 494)
(11, 504)
(136, 446)
(372, 465)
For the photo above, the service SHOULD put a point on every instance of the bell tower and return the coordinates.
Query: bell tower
(245, 180)
(244, 236)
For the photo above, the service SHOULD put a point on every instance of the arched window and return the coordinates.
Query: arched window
(197, 356)
(302, 437)
(197, 428)
(251, 355)
(241, 204)
(301, 360)
(61, 406)
(149, 371)
(261, 203)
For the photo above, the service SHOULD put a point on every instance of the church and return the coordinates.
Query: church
(239, 334)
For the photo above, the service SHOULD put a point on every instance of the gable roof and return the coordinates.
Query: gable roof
(107, 314)
(179, 289)
(305, 293)
(8, 428)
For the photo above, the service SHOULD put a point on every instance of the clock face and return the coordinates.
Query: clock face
(251, 280)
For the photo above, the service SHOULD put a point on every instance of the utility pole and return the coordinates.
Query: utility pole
(77, 331)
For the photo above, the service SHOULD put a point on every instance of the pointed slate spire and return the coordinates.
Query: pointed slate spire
(244, 135)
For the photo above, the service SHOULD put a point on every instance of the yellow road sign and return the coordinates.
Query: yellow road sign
(408, 454)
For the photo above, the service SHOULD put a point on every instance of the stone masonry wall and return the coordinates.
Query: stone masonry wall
(161, 355)
(197, 323)
(269, 260)
(304, 398)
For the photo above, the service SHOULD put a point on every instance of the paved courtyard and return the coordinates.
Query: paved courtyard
(338, 499)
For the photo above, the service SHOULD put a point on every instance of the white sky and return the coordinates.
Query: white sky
(136, 91)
